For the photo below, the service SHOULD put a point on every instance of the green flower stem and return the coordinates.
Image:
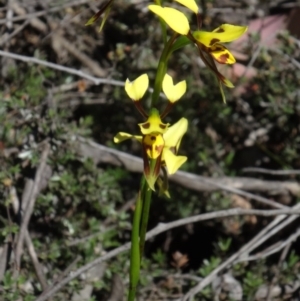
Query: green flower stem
(162, 69)
(145, 217)
(163, 30)
(135, 255)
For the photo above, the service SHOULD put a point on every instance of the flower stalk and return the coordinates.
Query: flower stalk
(145, 217)
(162, 69)
(135, 255)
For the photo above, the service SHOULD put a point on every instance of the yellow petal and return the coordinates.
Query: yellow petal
(191, 4)
(153, 145)
(153, 124)
(221, 54)
(175, 133)
(174, 18)
(137, 88)
(172, 161)
(230, 32)
(121, 136)
(173, 92)
(224, 33)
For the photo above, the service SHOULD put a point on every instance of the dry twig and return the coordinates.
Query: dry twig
(277, 247)
(260, 238)
(31, 250)
(27, 59)
(30, 206)
(286, 247)
(85, 59)
(47, 11)
(271, 171)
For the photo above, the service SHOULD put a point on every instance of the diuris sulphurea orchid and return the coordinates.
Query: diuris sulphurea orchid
(209, 44)
(160, 142)
(160, 146)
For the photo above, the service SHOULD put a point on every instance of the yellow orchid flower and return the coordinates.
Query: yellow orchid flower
(173, 17)
(173, 92)
(162, 147)
(191, 4)
(210, 41)
(137, 88)
(166, 144)
(207, 41)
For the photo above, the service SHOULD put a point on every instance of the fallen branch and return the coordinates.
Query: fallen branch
(271, 171)
(103, 154)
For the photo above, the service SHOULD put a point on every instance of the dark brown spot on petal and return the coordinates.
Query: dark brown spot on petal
(223, 58)
(146, 125)
(146, 162)
(214, 41)
(173, 149)
(162, 126)
(153, 138)
(159, 148)
(157, 166)
(220, 30)
(215, 48)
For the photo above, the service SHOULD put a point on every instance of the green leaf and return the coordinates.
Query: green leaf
(104, 9)
(105, 18)
(180, 42)
(94, 18)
